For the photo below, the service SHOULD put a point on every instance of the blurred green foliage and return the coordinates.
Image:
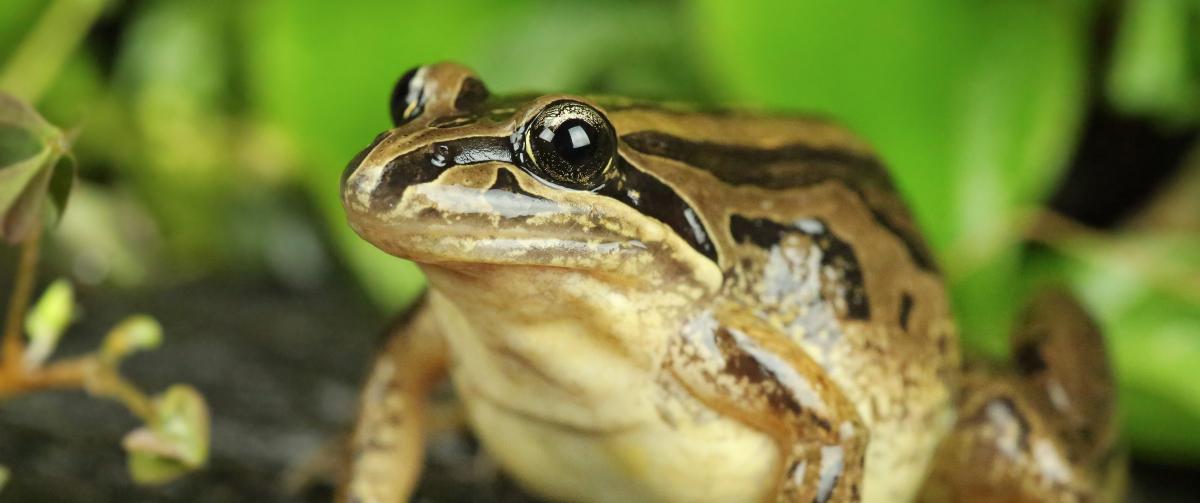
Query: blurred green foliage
(204, 121)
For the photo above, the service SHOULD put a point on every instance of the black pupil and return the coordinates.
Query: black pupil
(575, 140)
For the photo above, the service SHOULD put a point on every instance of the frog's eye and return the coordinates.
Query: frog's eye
(408, 97)
(570, 144)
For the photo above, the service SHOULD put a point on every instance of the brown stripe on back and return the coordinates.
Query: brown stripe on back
(796, 166)
(782, 167)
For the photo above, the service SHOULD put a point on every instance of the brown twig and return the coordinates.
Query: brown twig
(14, 343)
(107, 382)
(67, 374)
(1099, 249)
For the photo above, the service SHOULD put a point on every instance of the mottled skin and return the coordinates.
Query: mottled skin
(729, 308)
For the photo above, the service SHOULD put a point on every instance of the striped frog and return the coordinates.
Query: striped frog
(640, 302)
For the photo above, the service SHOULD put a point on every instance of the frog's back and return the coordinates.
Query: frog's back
(815, 242)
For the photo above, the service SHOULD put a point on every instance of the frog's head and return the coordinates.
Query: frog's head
(466, 178)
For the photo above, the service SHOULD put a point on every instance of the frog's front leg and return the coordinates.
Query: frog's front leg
(755, 375)
(388, 447)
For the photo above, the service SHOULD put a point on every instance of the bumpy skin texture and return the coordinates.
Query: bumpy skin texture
(732, 308)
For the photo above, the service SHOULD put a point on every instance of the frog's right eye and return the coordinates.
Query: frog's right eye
(570, 144)
(408, 97)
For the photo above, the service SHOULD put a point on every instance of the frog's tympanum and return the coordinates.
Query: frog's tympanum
(640, 302)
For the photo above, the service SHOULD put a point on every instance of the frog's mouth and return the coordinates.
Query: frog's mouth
(475, 239)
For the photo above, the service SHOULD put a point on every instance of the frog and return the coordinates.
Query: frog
(645, 301)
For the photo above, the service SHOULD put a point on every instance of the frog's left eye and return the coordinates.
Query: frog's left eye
(408, 97)
(570, 144)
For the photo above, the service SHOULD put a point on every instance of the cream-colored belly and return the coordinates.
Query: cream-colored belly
(573, 418)
(692, 460)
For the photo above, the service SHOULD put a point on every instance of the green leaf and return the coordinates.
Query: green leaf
(17, 144)
(30, 150)
(176, 443)
(45, 323)
(20, 184)
(22, 151)
(62, 180)
(4, 475)
(1154, 68)
(16, 17)
(17, 113)
(1156, 344)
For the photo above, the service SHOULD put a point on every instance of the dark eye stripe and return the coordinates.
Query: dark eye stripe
(426, 164)
(655, 199)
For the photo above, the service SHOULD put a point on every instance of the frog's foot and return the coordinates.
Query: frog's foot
(388, 447)
(320, 470)
(756, 376)
(1041, 429)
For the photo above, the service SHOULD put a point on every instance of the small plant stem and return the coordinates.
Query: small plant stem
(110, 384)
(67, 374)
(1098, 249)
(86, 372)
(14, 344)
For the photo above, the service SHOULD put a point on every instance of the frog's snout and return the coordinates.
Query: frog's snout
(359, 179)
(352, 166)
